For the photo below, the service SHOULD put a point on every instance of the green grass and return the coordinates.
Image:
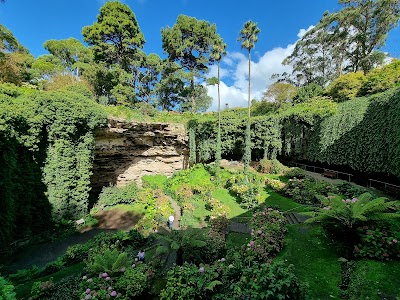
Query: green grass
(227, 199)
(24, 290)
(375, 280)
(315, 261)
(275, 200)
(132, 114)
(195, 218)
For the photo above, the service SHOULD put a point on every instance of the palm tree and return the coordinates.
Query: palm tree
(218, 51)
(248, 37)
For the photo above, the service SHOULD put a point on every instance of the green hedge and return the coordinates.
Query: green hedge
(46, 152)
(363, 133)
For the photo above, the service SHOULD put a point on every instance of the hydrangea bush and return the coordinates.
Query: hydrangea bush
(268, 229)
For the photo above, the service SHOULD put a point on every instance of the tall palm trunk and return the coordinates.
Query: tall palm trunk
(247, 149)
(218, 154)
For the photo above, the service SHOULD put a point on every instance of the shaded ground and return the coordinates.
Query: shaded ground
(40, 255)
(108, 221)
(117, 219)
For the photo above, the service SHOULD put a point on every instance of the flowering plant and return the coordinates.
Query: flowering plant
(268, 233)
(377, 242)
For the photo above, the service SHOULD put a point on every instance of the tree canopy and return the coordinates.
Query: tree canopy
(190, 44)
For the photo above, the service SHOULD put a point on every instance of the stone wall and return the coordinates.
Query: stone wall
(125, 151)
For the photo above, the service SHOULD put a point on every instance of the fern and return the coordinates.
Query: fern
(349, 212)
(109, 261)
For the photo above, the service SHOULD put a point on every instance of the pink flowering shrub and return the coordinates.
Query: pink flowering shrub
(268, 234)
(133, 282)
(377, 243)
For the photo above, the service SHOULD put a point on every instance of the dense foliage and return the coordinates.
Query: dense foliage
(319, 130)
(46, 142)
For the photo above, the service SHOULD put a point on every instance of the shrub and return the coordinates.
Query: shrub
(196, 179)
(272, 167)
(6, 290)
(154, 181)
(216, 208)
(249, 193)
(382, 79)
(268, 234)
(260, 281)
(41, 290)
(350, 190)
(77, 253)
(111, 196)
(276, 185)
(216, 243)
(53, 266)
(25, 275)
(137, 239)
(295, 173)
(190, 282)
(66, 289)
(134, 281)
(307, 190)
(346, 86)
(377, 242)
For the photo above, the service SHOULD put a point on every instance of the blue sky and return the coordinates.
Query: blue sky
(34, 22)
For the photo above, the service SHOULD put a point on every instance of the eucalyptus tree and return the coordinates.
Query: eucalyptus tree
(189, 43)
(71, 52)
(249, 37)
(345, 41)
(371, 21)
(218, 51)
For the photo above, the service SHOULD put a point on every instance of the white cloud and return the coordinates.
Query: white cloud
(237, 67)
(230, 95)
(302, 32)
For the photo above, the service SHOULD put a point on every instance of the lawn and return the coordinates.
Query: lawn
(282, 203)
(315, 261)
(375, 280)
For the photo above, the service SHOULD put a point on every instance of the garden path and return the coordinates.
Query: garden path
(40, 255)
(318, 176)
(238, 227)
(177, 214)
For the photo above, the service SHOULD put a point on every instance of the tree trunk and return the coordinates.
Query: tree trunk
(193, 101)
(247, 148)
(218, 154)
(179, 257)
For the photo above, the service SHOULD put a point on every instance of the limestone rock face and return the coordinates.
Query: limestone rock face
(125, 151)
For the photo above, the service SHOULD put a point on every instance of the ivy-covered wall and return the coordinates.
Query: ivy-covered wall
(362, 133)
(46, 143)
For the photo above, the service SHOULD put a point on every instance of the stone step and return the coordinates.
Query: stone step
(294, 218)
